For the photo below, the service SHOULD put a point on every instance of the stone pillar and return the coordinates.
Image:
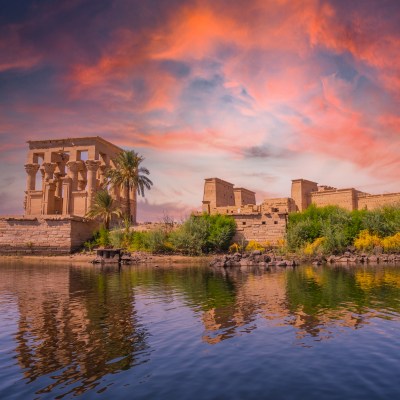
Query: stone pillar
(42, 173)
(67, 191)
(48, 169)
(57, 179)
(48, 206)
(92, 166)
(73, 169)
(31, 170)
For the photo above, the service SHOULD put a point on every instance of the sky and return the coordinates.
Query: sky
(256, 92)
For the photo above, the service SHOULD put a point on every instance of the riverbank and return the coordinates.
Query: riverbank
(257, 258)
(81, 258)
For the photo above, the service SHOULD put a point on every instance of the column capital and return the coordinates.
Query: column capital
(92, 165)
(74, 166)
(49, 167)
(31, 168)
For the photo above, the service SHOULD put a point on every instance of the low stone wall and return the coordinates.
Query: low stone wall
(262, 228)
(43, 234)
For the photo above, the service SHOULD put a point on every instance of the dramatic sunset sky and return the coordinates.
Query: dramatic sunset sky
(256, 92)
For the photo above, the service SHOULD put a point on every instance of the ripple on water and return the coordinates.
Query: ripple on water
(197, 332)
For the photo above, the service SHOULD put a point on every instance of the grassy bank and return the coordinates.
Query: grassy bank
(331, 230)
(196, 236)
(316, 231)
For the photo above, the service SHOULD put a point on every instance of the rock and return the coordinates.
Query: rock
(266, 258)
(262, 264)
(373, 259)
(282, 263)
(256, 253)
(331, 259)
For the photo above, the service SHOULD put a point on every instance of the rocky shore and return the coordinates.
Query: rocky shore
(256, 258)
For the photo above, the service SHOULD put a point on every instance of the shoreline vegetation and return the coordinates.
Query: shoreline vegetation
(317, 235)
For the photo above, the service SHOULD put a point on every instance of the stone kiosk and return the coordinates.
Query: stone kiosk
(63, 176)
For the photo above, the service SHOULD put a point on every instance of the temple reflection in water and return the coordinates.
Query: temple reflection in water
(79, 324)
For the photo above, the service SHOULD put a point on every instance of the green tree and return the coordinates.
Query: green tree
(131, 177)
(103, 207)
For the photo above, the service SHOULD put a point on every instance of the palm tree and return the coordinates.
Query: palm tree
(103, 206)
(129, 175)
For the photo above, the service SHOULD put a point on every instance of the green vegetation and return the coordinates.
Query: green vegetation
(103, 207)
(331, 229)
(129, 176)
(197, 235)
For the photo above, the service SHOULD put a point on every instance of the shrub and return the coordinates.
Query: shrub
(366, 241)
(391, 243)
(315, 247)
(139, 242)
(235, 248)
(117, 238)
(253, 245)
(384, 221)
(204, 234)
(102, 237)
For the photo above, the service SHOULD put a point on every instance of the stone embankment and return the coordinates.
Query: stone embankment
(256, 258)
(351, 258)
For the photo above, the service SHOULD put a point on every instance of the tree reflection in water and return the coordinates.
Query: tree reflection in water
(80, 326)
(315, 301)
(77, 325)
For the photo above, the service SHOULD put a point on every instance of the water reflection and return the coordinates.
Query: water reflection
(76, 325)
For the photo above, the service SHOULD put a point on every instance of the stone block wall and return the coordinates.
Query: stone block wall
(263, 228)
(370, 202)
(244, 196)
(345, 198)
(43, 235)
(283, 205)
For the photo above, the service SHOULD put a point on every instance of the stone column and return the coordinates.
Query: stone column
(57, 179)
(92, 166)
(48, 206)
(48, 169)
(31, 170)
(73, 169)
(42, 173)
(67, 186)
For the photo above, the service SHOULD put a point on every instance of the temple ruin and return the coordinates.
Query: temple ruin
(266, 222)
(63, 176)
(71, 171)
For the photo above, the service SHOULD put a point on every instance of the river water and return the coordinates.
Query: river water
(191, 332)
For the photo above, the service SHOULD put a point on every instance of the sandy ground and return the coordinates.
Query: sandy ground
(80, 258)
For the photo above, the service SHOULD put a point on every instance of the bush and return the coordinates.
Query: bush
(367, 241)
(117, 238)
(384, 221)
(204, 234)
(315, 247)
(253, 245)
(235, 248)
(391, 243)
(102, 237)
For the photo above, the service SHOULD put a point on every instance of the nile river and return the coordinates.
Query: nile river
(197, 333)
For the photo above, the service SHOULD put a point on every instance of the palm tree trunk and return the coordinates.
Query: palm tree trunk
(128, 202)
(134, 201)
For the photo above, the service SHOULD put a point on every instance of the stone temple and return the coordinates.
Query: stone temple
(266, 222)
(62, 177)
